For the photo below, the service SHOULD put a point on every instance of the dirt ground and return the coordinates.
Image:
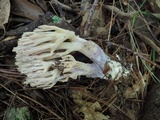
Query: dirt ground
(128, 31)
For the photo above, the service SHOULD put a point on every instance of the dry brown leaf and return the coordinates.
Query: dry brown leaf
(125, 2)
(4, 12)
(132, 114)
(158, 3)
(155, 5)
(91, 110)
(41, 3)
(26, 9)
(131, 92)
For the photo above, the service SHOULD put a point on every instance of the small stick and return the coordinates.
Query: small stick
(90, 15)
(62, 5)
(135, 53)
(120, 13)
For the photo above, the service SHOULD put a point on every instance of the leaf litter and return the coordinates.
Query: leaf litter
(125, 32)
(4, 13)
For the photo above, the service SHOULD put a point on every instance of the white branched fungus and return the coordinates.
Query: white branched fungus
(44, 56)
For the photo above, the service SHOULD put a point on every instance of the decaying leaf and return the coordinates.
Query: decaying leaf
(155, 5)
(4, 12)
(132, 114)
(158, 3)
(26, 9)
(131, 92)
(125, 2)
(91, 110)
(41, 3)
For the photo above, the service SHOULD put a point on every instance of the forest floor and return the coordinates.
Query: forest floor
(127, 30)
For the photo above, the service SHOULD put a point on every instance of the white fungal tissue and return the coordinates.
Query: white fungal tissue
(44, 56)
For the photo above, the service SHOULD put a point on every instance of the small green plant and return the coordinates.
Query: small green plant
(18, 114)
(56, 19)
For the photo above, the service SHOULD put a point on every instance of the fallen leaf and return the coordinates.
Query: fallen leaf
(4, 12)
(26, 9)
(91, 110)
(158, 3)
(125, 2)
(132, 114)
(155, 5)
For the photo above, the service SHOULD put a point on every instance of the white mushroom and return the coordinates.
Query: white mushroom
(44, 56)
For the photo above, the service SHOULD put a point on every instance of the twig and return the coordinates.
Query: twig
(120, 13)
(110, 23)
(135, 53)
(31, 100)
(154, 44)
(150, 31)
(90, 15)
(62, 5)
(148, 41)
(24, 96)
(85, 5)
